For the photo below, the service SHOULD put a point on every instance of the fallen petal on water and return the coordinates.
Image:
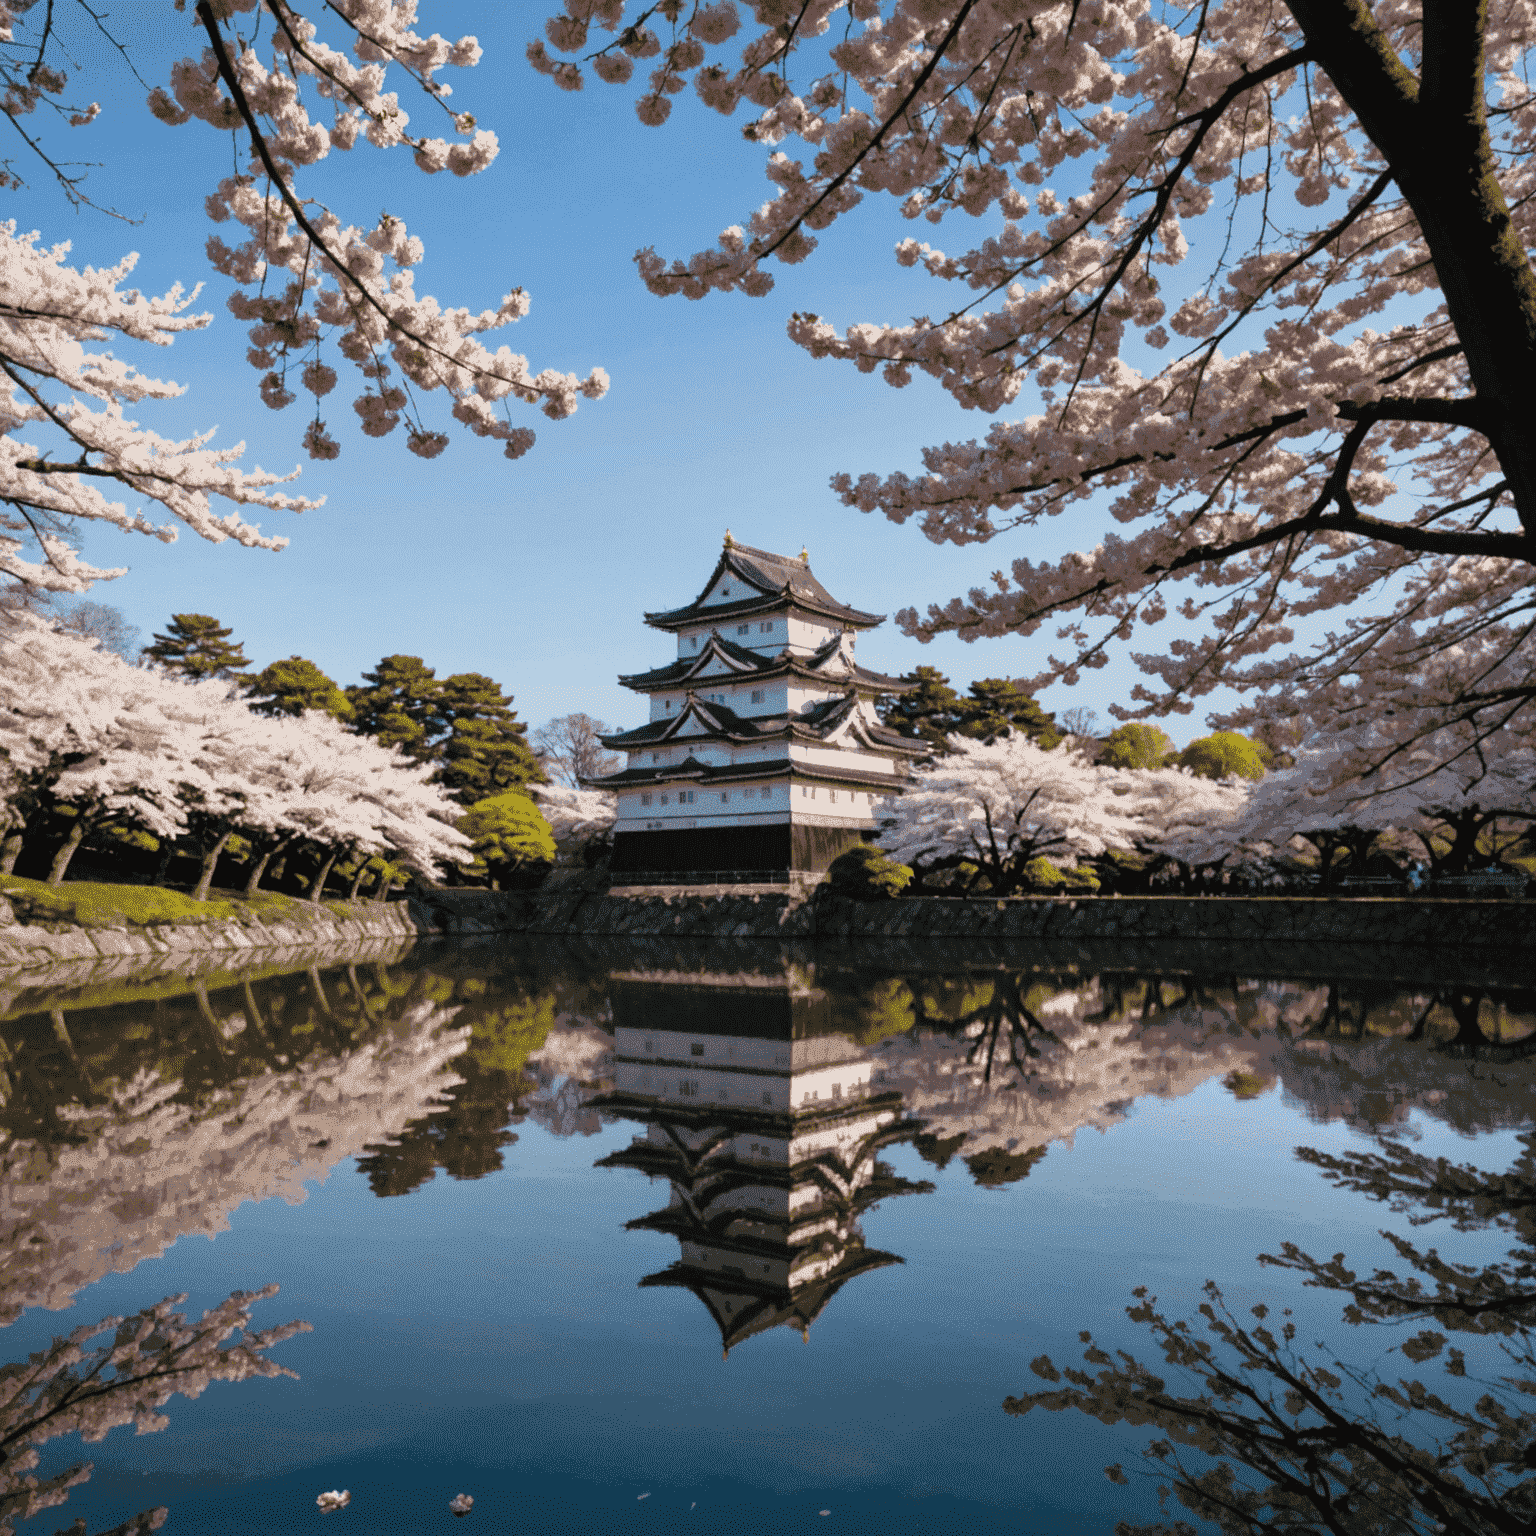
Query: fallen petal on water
(461, 1503)
(335, 1499)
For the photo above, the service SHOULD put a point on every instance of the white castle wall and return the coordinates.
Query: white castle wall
(769, 635)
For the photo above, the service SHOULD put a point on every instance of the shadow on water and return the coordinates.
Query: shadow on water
(770, 1085)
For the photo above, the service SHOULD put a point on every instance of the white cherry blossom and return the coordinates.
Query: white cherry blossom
(1251, 298)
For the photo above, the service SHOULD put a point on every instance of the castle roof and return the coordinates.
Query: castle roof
(835, 717)
(830, 660)
(772, 583)
(836, 721)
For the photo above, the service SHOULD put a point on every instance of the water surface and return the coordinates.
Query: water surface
(726, 1237)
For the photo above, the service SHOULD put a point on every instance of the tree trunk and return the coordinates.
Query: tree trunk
(67, 851)
(357, 880)
(10, 851)
(318, 888)
(258, 869)
(1433, 132)
(382, 889)
(167, 853)
(210, 863)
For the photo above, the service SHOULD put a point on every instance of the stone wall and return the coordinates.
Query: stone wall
(722, 913)
(25, 946)
(584, 908)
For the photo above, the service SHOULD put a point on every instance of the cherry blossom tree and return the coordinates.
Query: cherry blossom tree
(999, 805)
(62, 708)
(82, 730)
(1255, 278)
(308, 282)
(1446, 802)
(577, 817)
(1189, 821)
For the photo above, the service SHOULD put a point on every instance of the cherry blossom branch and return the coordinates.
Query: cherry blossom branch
(885, 127)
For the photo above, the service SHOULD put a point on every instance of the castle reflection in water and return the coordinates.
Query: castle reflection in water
(763, 1118)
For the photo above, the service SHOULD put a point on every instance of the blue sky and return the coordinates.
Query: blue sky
(537, 572)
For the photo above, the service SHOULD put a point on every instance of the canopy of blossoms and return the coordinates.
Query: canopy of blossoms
(311, 285)
(150, 750)
(1252, 299)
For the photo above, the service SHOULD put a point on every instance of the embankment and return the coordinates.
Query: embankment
(1492, 927)
(722, 914)
(104, 948)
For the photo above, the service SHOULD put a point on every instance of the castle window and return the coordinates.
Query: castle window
(766, 628)
(688, 1087)
(767, 1097)
(695, 1049)
(664, 799)
(645, 799)
(767, 792)
(833, 794)
(757, 695)
(725, 795)
(743, 629)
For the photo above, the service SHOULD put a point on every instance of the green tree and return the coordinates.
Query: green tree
(1136, 745)
(291, 686)
(197, 645)
(865, 874)
(930, 712)
(997, 705)
(399, 703)
(486, 750)
(1221, 755)
(508, 834)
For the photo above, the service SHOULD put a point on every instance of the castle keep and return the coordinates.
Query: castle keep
(763, 751)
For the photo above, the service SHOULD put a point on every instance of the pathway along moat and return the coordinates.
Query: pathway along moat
(745, 1236)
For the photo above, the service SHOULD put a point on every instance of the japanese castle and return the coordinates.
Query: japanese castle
(762, 1116)
(763, 750)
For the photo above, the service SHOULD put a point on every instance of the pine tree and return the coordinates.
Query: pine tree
(997, 705)
(486, 750)
(399, 705)
(291, 686)
(197, 645)
(930, 712)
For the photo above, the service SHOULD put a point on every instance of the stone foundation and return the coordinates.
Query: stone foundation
(724, 912)
(585, 908)
(26, 946)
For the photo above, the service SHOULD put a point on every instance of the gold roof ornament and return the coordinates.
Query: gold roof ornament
(728, 539)
(805, 558)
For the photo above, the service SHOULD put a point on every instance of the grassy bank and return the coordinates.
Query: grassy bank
(91, 904)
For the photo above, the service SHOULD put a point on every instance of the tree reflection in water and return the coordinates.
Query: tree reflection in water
(169, 1101)
(134, 1113)
(1278, 1437)
(72, 1388)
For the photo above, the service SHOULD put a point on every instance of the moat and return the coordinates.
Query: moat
(756, 1236)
